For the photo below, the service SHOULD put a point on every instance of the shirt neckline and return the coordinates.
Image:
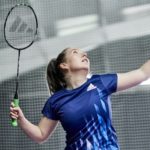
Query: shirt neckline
(75, 89)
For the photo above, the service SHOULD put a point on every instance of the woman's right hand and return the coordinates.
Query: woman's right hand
(38, 133)
(16, 112)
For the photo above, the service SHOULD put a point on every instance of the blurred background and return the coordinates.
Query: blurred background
(116, 36)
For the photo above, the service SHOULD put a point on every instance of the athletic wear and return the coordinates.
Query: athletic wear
(85, 114)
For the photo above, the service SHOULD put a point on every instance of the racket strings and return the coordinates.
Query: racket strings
(21, 27)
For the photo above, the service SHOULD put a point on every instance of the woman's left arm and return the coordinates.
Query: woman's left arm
(133, 78)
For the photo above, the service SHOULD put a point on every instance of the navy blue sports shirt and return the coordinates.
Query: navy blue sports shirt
(85, 114)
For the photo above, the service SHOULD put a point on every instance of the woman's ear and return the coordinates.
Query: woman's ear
(64, 66)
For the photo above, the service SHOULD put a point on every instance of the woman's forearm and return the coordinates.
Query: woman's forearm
(133, 78)
(39, 133)
(145, 68)
(31, 130)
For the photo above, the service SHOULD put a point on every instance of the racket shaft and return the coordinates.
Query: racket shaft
(14, 121)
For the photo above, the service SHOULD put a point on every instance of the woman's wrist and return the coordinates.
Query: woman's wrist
(21, 119)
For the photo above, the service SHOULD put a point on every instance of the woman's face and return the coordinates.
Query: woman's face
(77, 60)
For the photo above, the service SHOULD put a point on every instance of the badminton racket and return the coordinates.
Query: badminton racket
(20, 32)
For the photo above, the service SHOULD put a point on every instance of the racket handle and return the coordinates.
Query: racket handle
(14, 122)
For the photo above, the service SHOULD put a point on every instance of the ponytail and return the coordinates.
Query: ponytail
(55, 76)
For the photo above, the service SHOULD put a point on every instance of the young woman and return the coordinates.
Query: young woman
(81, 103)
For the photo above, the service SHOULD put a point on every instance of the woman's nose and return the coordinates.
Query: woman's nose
(84, 54)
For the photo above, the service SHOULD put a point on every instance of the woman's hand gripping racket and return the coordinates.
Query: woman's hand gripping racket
(20, 32)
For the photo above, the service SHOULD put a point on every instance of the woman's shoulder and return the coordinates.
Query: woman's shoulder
(94, 76)
(103, 77)
(56, 95)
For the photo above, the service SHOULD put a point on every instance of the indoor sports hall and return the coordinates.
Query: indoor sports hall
(116, 36)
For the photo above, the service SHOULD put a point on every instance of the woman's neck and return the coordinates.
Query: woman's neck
(75, 80)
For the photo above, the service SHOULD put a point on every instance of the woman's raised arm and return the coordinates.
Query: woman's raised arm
(133, 78)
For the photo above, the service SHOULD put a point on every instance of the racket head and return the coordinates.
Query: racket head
(20, 27)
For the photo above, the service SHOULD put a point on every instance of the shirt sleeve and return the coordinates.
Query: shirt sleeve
(110, 82)
(48, 111)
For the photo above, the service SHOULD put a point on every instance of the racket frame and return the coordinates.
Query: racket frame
(22, 4)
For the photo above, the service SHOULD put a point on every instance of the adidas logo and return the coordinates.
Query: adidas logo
(91, 87)
(20, 26)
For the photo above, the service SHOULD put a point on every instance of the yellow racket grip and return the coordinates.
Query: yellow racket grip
(14, 122)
